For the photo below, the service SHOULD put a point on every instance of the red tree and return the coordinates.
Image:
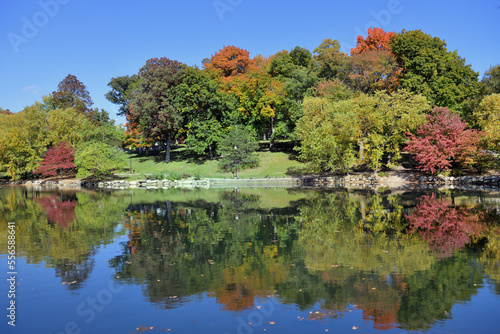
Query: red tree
(442, 140)
(377, 39)
(57, 160)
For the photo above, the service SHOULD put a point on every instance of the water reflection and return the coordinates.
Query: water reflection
(403, 260)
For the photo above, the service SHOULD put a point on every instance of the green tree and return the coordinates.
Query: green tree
(206, 110)
(121, 92)
(153, 106)
(96, 159)
(331, 61)
(491, 80)
(433, 71)
(238, 147)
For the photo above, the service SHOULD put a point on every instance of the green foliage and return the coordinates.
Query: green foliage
(491, 80)
(121, 91)
(96, 159)
(433, 71)
(340, 135)
(487, 118)
(238, 148)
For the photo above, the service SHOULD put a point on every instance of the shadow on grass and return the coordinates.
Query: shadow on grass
(300, 170)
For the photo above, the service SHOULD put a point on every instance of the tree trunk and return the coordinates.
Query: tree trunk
(271, 142)
(167, 148)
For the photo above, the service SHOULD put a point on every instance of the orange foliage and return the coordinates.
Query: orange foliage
(230, 62)
(377, 39)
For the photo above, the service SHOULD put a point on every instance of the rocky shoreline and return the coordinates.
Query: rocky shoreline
(394, 181)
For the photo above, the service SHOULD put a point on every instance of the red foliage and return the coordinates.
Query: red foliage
(58, 159)
(445, 227)
(377, 39)
(441, 140)
(58, 212)
(230, 62)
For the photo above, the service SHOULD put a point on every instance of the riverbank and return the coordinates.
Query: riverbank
(392, 180)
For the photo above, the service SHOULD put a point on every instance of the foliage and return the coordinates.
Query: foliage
(431, 70)
(491, 80)
(153, 107)
(67, 125)
(377, 39)
(206, 110)
(96, 159)
(487, 118)
(230, 62)
(121, 92)
(340, 135)
(238, 147)
(331, 61)
(373, 70)
(334, 90)
(442, 140)
(71, 92)
(57, 160)
(23, 138)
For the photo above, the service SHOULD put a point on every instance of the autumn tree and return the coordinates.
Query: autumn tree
(377, 39)
(71, 92)
(373, 70)
(443, 140)
(229, 62)
(431, 70)
(153, 106)
(57, 160)
(23, 140)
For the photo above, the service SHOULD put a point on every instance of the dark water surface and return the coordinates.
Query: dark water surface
(251, 261)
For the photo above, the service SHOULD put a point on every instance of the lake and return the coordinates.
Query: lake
(249, 261)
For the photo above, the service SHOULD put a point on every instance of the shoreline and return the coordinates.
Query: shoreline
(393, 180)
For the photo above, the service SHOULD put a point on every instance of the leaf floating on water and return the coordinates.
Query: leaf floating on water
(354, 328)
(270, 322)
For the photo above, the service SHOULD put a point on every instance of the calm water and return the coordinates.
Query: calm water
(251, 261)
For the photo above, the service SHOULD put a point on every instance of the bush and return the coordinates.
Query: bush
(96, 159)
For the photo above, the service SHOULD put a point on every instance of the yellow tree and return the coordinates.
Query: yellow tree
(23, 138)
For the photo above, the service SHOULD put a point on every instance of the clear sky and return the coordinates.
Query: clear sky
(43, 41)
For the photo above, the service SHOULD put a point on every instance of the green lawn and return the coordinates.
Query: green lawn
(272, 164)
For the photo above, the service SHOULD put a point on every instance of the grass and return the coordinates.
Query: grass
(185, 163)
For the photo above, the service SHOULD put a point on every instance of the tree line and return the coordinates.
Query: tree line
(394, 92)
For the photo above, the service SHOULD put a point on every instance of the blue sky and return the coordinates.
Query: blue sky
(43, 41)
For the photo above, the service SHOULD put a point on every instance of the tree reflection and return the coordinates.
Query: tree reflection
(62, 231)
(444, 226)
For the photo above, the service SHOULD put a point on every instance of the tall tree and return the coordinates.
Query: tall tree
(153, 106)
(331, 61)
(487, 118)
(433, 71)
(373, 70)
(377, 39)
(206, 110)
(71, 92)
(121, 92)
